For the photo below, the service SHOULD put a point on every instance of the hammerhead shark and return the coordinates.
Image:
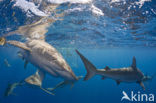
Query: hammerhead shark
(129, 74)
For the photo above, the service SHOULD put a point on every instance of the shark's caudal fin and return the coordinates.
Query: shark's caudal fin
(91, 69)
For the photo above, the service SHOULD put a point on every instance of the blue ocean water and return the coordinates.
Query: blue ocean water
(108, 33)
(94, 90)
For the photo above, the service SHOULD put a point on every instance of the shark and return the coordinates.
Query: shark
(128, 74)
(47, 60)
(9, 90)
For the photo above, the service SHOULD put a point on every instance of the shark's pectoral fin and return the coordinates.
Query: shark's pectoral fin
(25, 64)
(118, 82)
(19, 44)
(61, 85)
(36, 79)
(141, 84)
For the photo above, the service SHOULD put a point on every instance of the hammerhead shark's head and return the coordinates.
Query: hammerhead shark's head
(46, 58)
(129, 74)
(148, 77)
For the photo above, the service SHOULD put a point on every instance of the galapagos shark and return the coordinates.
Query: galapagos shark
(46, 58)
(128, 74)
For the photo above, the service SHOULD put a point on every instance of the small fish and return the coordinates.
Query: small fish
(7, 63)
(9, 90)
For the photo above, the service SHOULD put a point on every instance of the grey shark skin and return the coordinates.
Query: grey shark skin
(129, 74)
(46, 58)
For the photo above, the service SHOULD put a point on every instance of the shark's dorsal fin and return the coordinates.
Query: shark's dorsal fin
(133, 63)
(106, 68)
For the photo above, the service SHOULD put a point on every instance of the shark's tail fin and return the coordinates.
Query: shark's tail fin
(91, 69)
